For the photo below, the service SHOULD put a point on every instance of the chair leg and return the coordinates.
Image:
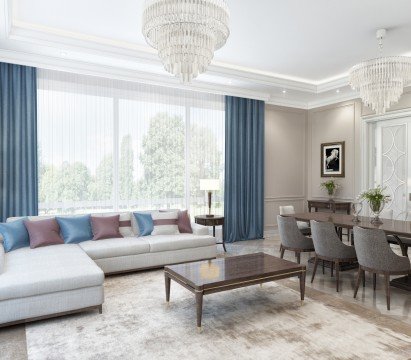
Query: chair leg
(332, 268)
(374, 280)
(315, 268)
(363, 278)
(298, 255)
(387, 290)
(282, 252)
(281, 247)
(357, 283)
(337, 274)
(323, 267)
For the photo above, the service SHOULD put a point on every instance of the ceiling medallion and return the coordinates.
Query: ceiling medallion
(381, 81)
(186, 33)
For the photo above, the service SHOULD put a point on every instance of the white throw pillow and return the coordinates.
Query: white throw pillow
(165, 223)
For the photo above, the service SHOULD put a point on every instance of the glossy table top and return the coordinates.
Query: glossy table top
(393, 227)
(232, 269)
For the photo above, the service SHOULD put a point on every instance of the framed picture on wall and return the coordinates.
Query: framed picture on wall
(333, 159)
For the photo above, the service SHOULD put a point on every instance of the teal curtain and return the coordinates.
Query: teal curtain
(18, 141)
(244, 169)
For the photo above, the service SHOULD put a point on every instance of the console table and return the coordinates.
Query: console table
(334, 206)
(213, 221)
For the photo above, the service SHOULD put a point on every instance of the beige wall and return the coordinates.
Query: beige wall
(338, 122)
(293, 140)
(285, 162)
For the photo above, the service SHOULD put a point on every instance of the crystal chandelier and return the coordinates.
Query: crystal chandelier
(186, 33)
(381, 81)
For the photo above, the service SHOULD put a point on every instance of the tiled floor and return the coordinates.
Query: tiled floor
(400, 299)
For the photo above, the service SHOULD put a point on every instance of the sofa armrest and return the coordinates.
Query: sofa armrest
(199, 229)
(2, 258)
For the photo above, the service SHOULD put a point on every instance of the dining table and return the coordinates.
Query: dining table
(396, 228)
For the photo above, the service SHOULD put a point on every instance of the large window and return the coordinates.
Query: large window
(115, 145)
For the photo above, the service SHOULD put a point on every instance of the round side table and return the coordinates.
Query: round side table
(212, 221)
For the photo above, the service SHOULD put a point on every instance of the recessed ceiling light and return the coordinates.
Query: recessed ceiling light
(63, 53)
(337, 91)
(284, 91)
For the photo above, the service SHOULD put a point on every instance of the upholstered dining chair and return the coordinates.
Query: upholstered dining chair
(376, 256)
(328, 246)
(403, 242)
(302, 225)
(291, 237)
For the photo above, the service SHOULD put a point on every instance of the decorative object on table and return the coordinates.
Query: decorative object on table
(209, 185)
(356, 208)
(377, 200)
(333, 159)
(331, 186)
(186, 33)
(381, 81)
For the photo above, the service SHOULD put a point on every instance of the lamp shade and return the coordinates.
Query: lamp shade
(209, 184)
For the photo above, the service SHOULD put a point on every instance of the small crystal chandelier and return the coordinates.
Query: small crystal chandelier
(186, 33)
(381, 81)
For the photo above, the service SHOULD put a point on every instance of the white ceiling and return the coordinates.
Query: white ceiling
(303, 47)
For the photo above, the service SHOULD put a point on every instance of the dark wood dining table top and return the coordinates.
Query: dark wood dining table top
(391, 227)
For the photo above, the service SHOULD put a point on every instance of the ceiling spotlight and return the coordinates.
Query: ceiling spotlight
(337, 91)
(63, 53)
(284, 91)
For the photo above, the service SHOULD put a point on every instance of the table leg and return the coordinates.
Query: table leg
(302, 285)
(199, 304)
(167, 282)
(213, 231)
(222, 238)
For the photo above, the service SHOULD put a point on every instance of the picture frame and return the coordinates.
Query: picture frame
(333, 159)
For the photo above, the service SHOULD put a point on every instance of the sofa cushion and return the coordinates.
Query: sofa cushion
(75, 229)
(177, 242)
(108, 248)
(15, 235)
(144, 222)
(165, 223)
(183, 222)
(30, 272)
(106, 227)
(2, 258)
(43, 233)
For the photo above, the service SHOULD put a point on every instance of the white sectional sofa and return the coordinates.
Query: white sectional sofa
(59, 279)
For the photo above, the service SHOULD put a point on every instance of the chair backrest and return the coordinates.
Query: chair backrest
(290, 234)
(287, 210)
(325, 239)
(387, 214)
(372, 248)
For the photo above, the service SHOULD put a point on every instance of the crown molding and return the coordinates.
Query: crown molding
(119, 73)
(331, 100)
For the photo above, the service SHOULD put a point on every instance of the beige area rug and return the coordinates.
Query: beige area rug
(250, 323)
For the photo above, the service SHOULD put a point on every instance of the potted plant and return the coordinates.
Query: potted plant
(331, 186)
(377, 200)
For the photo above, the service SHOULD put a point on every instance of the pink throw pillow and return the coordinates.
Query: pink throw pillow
(43, 233)
(105, 227)
(183, 222)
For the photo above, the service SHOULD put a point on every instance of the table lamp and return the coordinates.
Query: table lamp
(209, 185)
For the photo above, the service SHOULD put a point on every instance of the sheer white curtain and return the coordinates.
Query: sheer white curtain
(115, 145)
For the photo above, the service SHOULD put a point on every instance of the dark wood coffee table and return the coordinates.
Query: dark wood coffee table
(207, 277)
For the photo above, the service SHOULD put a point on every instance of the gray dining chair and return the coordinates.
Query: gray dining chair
(403, 242)
(291, 237)
(376, 256)
(302, 225)
(329, 247)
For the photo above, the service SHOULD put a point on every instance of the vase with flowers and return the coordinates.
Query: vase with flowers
(377, 200)
(331, 186)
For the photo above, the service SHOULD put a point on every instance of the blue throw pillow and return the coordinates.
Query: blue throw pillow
(15, 235)
(145, 223)
(75, 229)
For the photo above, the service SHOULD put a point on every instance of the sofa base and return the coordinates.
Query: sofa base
(27, 309)
(45, 317)
(132, 263)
